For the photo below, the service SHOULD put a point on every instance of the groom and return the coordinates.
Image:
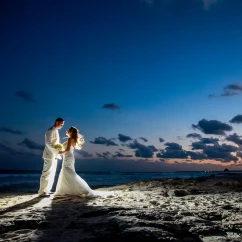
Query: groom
(50, 156)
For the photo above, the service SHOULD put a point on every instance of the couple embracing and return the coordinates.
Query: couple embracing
(69, 183)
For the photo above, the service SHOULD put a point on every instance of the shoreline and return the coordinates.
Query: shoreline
(167, 209)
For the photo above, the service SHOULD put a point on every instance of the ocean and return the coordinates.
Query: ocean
(28, 181)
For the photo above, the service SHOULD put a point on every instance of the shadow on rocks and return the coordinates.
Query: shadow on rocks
(78, 219)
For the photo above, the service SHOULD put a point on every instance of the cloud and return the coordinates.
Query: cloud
(215, 152)
(84, 153)
(235, 138)
(142, 150)
(211, 149)
(144, 139)
(11, 153)
(99, 155)
(105, 155)
(239, 154)
(161, 140)
(175, 154)
(236, 119)
(118, 154)
(11, 131)
(209, 140)
(173, 150)
(229, 94)
(237, 165)
(211, 95)
(221, 152)
(123, 138)
(194, 136)
(26, 96)
(103, 141)
(31, 144)
(234, 87)
(212, 127)
(173, 146)
(196, 155)
(8, 149)
(226, 94)
(152, 147)
(111, 106)
(198, 145)
(229, 91)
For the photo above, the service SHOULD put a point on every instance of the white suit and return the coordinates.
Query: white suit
(50, 156)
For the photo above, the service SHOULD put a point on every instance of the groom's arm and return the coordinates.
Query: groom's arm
(48, 141)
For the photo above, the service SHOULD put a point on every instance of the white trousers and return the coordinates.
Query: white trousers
(47, 176)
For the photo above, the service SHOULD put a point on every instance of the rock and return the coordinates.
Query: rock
(211, 213)
(195, 191)
(6, 226)
(165, 194)
(153, 203)
(181, 193)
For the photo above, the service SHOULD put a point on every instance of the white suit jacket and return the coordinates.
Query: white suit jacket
(51, 138)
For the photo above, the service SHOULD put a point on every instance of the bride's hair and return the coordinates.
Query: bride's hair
(78, 138)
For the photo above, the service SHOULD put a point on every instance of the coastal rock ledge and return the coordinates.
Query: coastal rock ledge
(205, 209)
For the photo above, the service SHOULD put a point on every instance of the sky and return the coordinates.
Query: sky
(153, 85)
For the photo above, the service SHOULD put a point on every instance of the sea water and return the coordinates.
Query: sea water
(17, 181)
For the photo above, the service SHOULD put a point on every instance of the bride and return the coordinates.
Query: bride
(69, 183)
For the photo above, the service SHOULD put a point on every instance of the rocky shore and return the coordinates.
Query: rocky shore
(204, 209)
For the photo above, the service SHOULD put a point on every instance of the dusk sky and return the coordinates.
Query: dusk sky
(153, 85)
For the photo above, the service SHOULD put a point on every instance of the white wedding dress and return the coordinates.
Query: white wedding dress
(69, 183)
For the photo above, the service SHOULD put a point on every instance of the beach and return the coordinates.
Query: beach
(195, 209)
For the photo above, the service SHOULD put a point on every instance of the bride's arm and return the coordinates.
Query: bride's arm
(67, 147)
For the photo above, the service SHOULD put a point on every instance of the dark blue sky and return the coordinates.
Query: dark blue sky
(121, 71)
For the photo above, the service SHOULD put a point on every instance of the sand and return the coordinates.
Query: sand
(204, 209)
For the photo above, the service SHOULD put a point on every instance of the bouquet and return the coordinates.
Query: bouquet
(59, 147)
